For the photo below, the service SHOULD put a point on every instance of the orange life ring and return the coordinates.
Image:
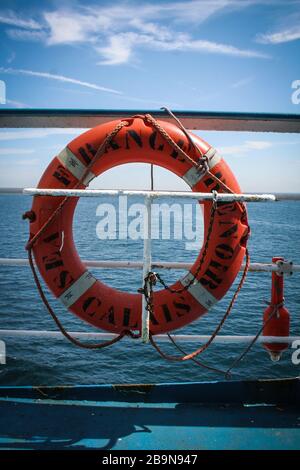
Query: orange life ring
(101, 305)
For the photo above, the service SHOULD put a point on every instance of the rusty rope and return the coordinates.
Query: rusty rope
(155, 124)
(253, 341)
(217, 329)
(196, 361)
(181, 126)
(202, 164)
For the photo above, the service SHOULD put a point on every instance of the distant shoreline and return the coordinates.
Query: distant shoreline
(279, 196)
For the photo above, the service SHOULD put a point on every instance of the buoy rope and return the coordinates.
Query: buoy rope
(251, 344)
(186, 357)
(202, 164)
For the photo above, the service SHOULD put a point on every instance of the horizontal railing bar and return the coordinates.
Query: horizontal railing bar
(107, 264)
(153, 194)
(201, 120)
(279, 196)
(220, 339)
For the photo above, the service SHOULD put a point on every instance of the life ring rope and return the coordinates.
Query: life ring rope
(203, 348)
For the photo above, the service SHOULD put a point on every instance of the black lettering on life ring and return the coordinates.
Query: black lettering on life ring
(84, 155)
(174, 153)
(152, 142)
(53, 259)
(64, 279)
(224, 251)
(210, 278)
(231, 231)
(62, 175)
(90, 306)
(225, 208)
(179, 306)
(126, 318)
(135, 136)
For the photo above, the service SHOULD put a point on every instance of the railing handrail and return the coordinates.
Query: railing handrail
(219, 339)
(200, 120)
(149, 194)
(126, 264)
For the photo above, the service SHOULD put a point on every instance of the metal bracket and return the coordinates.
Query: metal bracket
(285, 267)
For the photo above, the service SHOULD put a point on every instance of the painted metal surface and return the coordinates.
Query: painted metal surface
(201, 120)
(230, 415)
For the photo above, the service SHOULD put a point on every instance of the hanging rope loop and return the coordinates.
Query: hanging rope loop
(203, 348)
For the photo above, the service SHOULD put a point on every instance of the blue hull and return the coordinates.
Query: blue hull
(229, 415)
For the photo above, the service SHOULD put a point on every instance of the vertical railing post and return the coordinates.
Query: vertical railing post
(146, 267)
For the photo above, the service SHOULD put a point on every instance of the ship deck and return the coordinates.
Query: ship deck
(220, 415)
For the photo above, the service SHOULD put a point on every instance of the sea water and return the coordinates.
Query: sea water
(275, 231)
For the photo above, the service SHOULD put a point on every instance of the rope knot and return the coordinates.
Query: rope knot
(151, 278)
(275, 307)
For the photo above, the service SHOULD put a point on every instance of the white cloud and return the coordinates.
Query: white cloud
(247, 146)
(15, 151)
(287, 30)
(160, 32)
(192, 11)
(118, 50)
(187, 44)
(60, 78)
(10, 18)
(68, 27)
(37, 133)
(26, 35)
(286, 35)
(120, 47)
(116, 31)
(241, 83)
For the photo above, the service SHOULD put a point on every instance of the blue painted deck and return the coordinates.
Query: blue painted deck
(230, 415)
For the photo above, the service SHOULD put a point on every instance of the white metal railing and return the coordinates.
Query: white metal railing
(225, 197)
(219, 339)
(278, 196)
(108, 264)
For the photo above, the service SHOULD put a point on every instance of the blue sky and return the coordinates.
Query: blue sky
(223, 55)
